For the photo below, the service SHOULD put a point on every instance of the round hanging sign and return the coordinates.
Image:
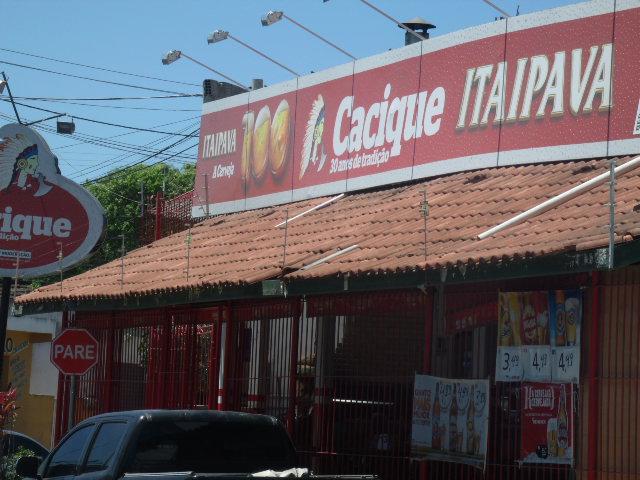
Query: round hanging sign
(48, 223)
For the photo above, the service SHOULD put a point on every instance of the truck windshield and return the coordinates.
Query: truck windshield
(211, 447)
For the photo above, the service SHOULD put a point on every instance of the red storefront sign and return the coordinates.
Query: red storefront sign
(516, 91)
(47, 222)
(74, 351)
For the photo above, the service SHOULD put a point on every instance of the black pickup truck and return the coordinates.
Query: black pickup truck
(171, 445)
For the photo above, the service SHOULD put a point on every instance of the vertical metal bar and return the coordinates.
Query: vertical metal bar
(4, 311)
(109, 359)
(616, 372)
(612, 211)
(636, 354)
(219, 360)
(229, 351)
(206, 194)
(293, 365)
(430, 313)
(159, 215)
(212, 400)
(628, 350)
(72, 401)
(165, 358)
(15, 110)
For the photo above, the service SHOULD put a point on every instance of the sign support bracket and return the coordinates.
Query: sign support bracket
(4, 313)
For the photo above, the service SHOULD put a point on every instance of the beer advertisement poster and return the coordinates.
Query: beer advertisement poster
(539, 336)
(547, 423)
(450, 420)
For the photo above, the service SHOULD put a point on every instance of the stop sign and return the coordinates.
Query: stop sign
(74, 351)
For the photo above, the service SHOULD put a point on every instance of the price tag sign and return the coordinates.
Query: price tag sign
(565, 364)
(509, 367)
(537, 363)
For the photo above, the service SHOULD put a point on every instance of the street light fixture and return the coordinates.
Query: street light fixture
(173, 55)
(400, 24)
(220, 35)
(272, 17)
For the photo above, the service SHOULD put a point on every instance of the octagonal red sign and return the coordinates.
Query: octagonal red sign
(74, 351)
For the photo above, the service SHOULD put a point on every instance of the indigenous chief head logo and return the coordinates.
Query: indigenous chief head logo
(313, 155)
(26, 165)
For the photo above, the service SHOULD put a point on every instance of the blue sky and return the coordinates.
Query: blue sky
(48, 44)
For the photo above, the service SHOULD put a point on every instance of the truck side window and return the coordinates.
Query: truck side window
(67, 457)
(105, 446)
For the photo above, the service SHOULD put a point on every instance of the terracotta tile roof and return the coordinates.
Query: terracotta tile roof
(385, 225)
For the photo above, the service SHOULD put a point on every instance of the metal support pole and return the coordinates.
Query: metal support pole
(612, 211)
(6, 82)
(4, 314)
(72, 401)
(206, 194)
(594, 377)
(159, 215)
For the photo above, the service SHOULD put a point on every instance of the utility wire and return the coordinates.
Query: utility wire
(89, 78)
(123, 157)
(120, 107)
(178, 142)
(87, 171)
(182, 95)
(97, 141)
(91, 120)
(96, 68)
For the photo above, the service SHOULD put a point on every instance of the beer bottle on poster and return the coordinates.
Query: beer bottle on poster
(563, 424)
(529, 324)
(471, 413)
(505, 331)
(515, 312)
(436, 439)
(561, 320)
(453, 422)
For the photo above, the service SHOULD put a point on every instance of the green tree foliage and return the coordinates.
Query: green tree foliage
(119, 194)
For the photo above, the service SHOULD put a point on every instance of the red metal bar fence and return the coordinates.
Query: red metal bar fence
(339, 370)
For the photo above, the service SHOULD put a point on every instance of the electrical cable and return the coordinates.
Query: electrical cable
(123, 108)
(91, 120)
(148, 158)
(154, 97)
(91, 79)
(96, 68)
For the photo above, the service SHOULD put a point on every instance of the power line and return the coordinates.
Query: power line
(132, 133)
(115, 106)
(130, 150)
(93, 121)
(122, 157)
(89, 78)
(182, 95)
(123, 172)
(97, 68)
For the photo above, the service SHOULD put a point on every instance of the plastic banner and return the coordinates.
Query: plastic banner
(547, 423)
(539, 336)
(450, 420)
